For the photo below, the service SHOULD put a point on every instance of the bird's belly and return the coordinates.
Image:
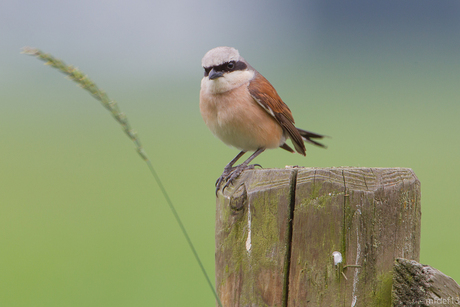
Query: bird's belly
(236, 119)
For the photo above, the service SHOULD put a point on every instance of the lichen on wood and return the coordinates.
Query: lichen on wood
(276, 231)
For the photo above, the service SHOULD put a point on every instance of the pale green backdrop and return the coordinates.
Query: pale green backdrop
(82, 222)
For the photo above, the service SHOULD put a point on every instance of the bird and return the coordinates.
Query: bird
(244, 111)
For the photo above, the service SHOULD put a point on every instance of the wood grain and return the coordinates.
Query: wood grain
(415, 284)
(276, 231)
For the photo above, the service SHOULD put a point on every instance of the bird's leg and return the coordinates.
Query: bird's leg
(228, 170)
(236, 171)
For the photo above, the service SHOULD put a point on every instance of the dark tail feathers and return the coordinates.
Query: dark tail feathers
(307, 136)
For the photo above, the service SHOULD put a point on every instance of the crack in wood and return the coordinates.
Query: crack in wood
(287, 261)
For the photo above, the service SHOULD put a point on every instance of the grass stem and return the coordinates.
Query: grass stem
(87, 84)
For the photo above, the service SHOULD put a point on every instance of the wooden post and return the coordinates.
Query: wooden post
(415, 284)
(277, 230)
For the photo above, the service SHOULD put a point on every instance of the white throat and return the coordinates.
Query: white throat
(227, 82)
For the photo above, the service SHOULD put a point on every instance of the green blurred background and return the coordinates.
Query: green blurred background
(82, 222)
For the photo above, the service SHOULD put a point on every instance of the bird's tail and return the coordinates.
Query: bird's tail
(307, 136)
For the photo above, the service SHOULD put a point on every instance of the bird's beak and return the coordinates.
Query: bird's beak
(215, 74)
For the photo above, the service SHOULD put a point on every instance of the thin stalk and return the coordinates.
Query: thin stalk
(87, 84)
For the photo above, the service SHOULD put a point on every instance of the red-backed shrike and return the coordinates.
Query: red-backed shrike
(244, 110)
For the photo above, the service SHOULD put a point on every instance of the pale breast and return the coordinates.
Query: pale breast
(237, 119)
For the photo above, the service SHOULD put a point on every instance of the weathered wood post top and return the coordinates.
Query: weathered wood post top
(315, 236)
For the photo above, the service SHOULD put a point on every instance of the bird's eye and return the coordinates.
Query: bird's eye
(231, 65)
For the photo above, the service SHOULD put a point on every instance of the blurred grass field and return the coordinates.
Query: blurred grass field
(82, 222)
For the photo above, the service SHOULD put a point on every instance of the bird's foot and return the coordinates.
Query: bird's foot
(223, 177)
(231, 173)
